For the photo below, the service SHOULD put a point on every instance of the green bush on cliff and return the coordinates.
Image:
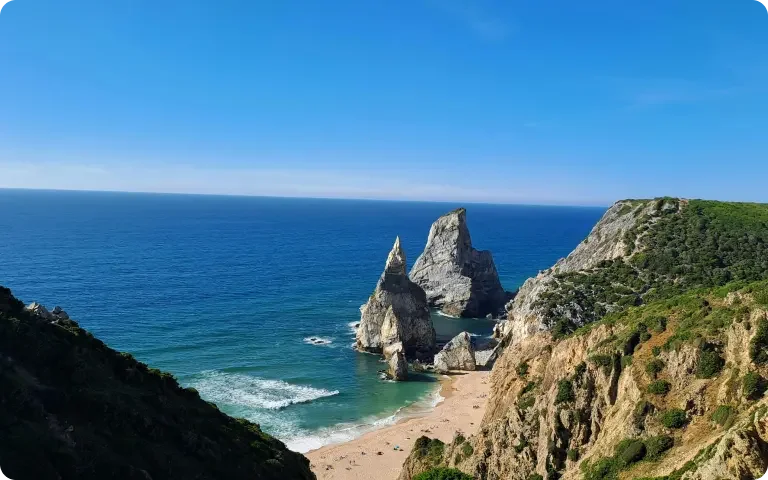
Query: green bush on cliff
(659, 387)
(753, 386)
(564, 392)
(674, 418)
(710, 361)
(442, 473)
(758, 346)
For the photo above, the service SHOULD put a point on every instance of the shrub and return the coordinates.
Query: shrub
(522, 369)
(655, 447)
(659, 324)
(564, 392)
(605, 361)
(459, 439)
(573, 454)
(659, 387)
(656, 351)
(629, 451)
(758, 347)
(753, 386)
(580, 369)
(710, 362)
(674, 418)
(626, 361)
(528, 388)
(526, 403)
(429, 448)
(467, 450)
(603, 469)
(521, 446)
(442, 473)
(724, 415)
(642, 410)
(653, 367)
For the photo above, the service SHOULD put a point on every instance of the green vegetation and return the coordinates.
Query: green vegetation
(535, 476)
(442, 473)
(659, 387)
(679, 247)
(655, 447)
(526, 403)
(710, 361)
(522, 369)
(564, 392)
(758, 347)
(674, 418)
(529, 387)
(642, 410)
(753, 386)
(467, 450)
(573, 454)
(430, 449)
(628, 452)
(724, 415)
(654, 367)
(626, 361)
(122, 419)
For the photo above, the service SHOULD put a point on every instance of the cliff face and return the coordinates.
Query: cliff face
(396, 312)
(644, 354)
(607, 241)
(72, 408)
(457, 278)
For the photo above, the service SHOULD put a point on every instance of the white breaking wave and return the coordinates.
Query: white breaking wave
(318, 340)
(253, 392)
(443, 314)
(345, 432)
(353, 326)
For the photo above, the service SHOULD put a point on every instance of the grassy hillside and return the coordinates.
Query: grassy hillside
(70, 407)
(679, 246)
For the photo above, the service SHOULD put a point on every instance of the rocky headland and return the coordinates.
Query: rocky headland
(642, 355)
(73, 408)
(458, 279)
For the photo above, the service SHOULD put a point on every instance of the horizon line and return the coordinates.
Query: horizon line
(399, 200)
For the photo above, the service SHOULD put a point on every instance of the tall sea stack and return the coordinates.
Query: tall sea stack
(397, 311)
(458, 279)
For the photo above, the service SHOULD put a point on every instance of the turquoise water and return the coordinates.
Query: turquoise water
(223, 291)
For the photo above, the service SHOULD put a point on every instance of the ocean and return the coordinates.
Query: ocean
(225, 292)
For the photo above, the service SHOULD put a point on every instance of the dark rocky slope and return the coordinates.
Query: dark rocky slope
(73, 408)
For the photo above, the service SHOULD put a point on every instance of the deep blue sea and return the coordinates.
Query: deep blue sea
(224, 291)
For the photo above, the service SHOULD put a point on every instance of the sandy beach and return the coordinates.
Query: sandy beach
(373, 456)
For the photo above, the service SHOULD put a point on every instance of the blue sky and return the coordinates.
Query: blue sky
(464, 100)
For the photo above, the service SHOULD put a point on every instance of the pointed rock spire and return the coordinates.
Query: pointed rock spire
(397, 311)
(396, 260)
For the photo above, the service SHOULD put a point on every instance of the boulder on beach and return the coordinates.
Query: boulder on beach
(458, 354)
(458, 279)
(396, 312)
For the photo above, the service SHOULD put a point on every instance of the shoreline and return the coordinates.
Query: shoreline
(379, 454)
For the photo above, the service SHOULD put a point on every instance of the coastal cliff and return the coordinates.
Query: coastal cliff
(396, 313)
(458, 279)
(71, 407)
(644, 354)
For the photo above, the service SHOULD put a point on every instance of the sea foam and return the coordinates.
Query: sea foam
(253, 392)
(318, 340)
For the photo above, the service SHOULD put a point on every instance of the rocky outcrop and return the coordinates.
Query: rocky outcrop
(458, 279)
(396, 312)
(566, 408)
(40, 311)
(458, 354)
(607, 241)
(397, 367)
